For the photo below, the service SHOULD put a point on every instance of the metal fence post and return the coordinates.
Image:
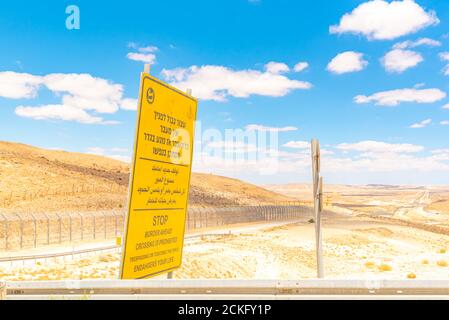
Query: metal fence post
(189, 216)
(21, 229)
(35, 230)
(317, 198)
(5, 230)
(48, 228)
(116, 225)
(60, 227)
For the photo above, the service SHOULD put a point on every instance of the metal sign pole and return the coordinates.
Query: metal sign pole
(318, 204)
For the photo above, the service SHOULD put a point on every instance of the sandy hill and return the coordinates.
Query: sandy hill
(46, 180)
(372, 198)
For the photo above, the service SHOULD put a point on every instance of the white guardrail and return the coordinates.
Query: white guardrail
(227, 289)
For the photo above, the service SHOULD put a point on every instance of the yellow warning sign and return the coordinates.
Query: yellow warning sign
(159, 186)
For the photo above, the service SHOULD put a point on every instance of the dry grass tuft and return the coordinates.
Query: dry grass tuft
(442, 263)
(385, 267)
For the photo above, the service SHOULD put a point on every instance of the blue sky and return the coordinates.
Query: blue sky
(222, 50)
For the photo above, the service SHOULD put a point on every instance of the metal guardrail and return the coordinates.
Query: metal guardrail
(265, 289)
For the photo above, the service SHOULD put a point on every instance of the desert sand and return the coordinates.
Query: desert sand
(354, 248)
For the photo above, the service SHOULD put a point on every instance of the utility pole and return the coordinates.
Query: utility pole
(318, 204)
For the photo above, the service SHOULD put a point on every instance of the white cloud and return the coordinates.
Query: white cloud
(348, 61)
(395, 97)
(445, 57)
(142, 57)
(276, 67)
(129, 104)
(60, 112)
(379, 147)
(445, 123)
(365, 161)
(86, 92)
(145, 54)
(297, 144)
(382, 20)
(211, 82)
(258, 127)
(446, 106)
(384, 163)
(148, 49)
(300, 66)
(398, 60)
(77, 91)
(15, 85)
(232, 146)
(421, 124)
(417, 43)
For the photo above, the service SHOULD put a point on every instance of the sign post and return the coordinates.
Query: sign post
(160, 180)
(318, 204)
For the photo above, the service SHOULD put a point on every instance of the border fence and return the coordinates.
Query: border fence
(31, 230)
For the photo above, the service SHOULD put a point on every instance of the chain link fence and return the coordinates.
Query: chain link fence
(20, 231)
(28, 230)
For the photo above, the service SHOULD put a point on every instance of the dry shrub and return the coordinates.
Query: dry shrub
(370, 264)
(442, 263)
(385, 267)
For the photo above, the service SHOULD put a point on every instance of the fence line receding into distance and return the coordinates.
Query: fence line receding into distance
(31, 230)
